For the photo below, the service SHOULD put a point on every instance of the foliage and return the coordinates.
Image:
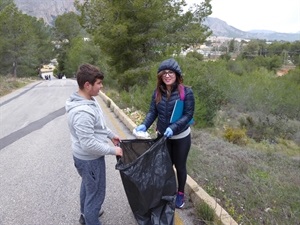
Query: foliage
(134, 76)
(4, 3)
(143, 32)
(225, 57)
(24, 42)
(236, 67)
(254, 186)
(287, 51)
(80, 52)
(269, 128)
(9, 84)
(68, 27)
(279, 53)
(208, 92)
(196, 55)
(236, 136)
(205, 212)
(259, 90)
(292, 77)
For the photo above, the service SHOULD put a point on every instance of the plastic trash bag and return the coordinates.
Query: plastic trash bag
(149, 180)
(141, 134)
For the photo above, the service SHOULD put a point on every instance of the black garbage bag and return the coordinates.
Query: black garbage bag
(149, 180)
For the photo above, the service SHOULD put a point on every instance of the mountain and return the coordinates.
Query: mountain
(222, 29)
(50, 9)
(46, 9)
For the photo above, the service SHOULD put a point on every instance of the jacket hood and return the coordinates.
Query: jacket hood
(75, 100)
(170, 64)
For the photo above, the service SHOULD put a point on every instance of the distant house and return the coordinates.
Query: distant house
(47, 71)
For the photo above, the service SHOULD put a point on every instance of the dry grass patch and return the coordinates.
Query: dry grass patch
(9, 84)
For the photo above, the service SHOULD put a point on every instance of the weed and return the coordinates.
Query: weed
(205, 212)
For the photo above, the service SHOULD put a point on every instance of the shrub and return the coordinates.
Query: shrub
(235, 67)
(132, 77)
(195, 55)
(269, 127)
(236, 136)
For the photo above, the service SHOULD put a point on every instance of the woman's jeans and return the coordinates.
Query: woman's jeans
(92, 190)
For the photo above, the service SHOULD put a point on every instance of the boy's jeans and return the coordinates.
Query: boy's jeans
(92, 190)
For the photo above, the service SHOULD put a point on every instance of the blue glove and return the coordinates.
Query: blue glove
(168, 132)
(141, 127)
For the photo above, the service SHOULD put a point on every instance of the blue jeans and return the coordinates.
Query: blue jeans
(92, 190)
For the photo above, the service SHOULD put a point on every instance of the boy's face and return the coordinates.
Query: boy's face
(93, 90)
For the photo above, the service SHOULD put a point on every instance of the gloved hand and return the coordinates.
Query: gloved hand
(141, 127)
(168, 132)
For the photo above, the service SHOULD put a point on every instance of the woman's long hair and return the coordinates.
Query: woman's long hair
(161, 86)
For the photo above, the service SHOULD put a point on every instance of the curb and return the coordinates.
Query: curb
(196, 193)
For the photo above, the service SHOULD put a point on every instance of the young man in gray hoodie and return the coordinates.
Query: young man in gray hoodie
(89, 136)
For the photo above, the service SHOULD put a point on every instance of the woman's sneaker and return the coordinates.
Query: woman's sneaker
(179, 200)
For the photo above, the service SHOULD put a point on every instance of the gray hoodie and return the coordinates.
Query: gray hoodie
(88, 130)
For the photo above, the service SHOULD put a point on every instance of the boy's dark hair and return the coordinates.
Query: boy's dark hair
(88, 73)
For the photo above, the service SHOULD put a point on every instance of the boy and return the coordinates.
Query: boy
(89, 141)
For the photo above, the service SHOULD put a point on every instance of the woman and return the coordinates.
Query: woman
(169, 89)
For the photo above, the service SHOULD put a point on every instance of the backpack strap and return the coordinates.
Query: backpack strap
(181, 92)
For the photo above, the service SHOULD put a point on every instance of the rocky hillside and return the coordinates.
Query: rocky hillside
(221, 28)
(50, 9)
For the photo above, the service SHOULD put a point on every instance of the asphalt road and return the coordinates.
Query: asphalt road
(38, 182)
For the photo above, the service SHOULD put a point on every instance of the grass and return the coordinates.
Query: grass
(255, 187)
(9, 84)
(205, 214)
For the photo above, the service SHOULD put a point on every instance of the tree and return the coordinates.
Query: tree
(4, 3)
(21, 39)
(253, 49)
(134, 33)
(66, 29)
(294, 53)
(82, 51)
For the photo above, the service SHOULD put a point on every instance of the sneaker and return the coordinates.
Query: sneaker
(81, 218)
(179, 200)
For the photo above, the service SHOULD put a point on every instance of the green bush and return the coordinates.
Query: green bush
(236, 136)
(235, 67)
(133, 77)
(195, 55)
(293, 76)
(203, 77)
(269, 128)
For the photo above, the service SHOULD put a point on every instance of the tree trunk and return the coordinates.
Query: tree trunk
(14, 69)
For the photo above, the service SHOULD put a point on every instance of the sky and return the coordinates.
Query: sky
(246, 15)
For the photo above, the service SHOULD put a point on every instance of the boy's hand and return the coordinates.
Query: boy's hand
(119, 151)
(115, 140)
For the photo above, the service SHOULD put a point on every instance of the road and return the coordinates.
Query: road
(38, 182)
